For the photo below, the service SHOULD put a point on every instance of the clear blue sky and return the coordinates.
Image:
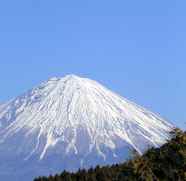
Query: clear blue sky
(136, 48)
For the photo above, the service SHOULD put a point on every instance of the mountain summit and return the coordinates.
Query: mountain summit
(70, 123)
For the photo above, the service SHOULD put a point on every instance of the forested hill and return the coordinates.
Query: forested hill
(167, 163)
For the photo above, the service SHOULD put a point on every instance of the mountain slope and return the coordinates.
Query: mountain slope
(166, 163)
(70, 123)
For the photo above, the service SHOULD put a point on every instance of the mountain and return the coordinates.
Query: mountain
(71, 123)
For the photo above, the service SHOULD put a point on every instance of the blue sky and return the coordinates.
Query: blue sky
(136, 48)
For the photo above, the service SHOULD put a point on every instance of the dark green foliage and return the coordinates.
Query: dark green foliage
(167, 163)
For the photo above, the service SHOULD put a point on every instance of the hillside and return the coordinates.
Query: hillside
(167, 163)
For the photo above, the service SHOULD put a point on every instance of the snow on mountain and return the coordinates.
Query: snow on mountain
(70, 123)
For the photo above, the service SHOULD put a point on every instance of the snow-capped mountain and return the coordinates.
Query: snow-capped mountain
(70, 123)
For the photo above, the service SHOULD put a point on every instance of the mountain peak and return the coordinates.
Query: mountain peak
(72, 76)
(55, 86)
(70, 79)
(67, 77)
